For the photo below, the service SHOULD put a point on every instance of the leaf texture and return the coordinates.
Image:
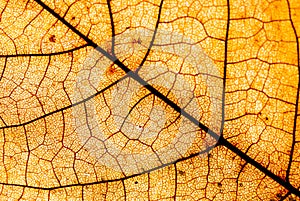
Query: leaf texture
(149, 100)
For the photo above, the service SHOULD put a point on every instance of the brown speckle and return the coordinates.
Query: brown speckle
(181, 172)
(52, 38)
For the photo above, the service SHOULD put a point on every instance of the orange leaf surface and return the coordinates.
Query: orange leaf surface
(149, 100)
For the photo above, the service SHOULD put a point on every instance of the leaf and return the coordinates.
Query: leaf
(149, 100)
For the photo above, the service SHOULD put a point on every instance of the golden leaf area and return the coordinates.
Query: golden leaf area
(149, 100)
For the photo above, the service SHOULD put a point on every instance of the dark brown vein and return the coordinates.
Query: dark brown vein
(112, 28)
(225, 69)
(153, 37)
(64, 108)
(297, 99)
(45, 54)
(133, 75)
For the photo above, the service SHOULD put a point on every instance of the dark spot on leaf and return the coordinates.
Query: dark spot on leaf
(52, 38)
(219, 185)
(73, 18)
(108, 50)
(111, 70)
(139, 41)
(241, 185)
(181, 172)
(136, 182)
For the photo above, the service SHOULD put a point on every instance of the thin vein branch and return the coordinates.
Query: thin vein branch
(112, 28)
(225, 69)
(46, 54)
(135, 76)
(64, 108)
(153, 37)
(297, 99)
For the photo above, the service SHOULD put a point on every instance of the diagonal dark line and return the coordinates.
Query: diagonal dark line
(225, 69)
(136, 77)
(46, 54)
(3, 121)
(297, 97)
(264, 170)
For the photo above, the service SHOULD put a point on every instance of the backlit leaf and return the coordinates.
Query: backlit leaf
(149, 100)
